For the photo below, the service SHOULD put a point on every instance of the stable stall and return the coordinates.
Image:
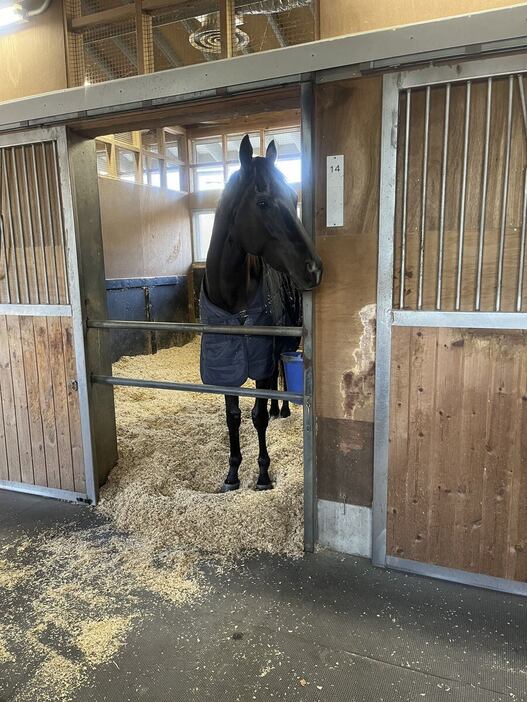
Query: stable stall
(414, 411)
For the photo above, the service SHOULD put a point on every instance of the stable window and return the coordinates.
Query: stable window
(152, 171)
(127, 165)
(103, 158)
(289, 148)
(202, 223)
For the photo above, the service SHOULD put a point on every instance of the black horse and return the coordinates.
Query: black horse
(260, 257)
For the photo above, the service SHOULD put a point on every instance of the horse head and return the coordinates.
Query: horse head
(265, 220)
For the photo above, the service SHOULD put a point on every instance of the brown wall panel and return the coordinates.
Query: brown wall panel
(339, 17)
(348, 118)
(33, 56)
(457, 473)
(344, 460)
(40, 438)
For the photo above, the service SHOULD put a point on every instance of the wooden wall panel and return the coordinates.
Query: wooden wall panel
(458, 460)
(146, 231)
(40, 422)
(33, 57)
(348, 120)
(339, 17)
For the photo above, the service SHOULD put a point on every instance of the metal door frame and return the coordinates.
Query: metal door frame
(388, 317)
(73, 310)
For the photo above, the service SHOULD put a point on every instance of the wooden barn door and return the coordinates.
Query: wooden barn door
(451, 380)
(45, 444)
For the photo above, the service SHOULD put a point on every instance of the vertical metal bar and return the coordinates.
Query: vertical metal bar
(504, 197)
(20, 224)
(41, 221)
(60, 208)
(65, 195)
(521, 260)
(387, 190)
(441, 245)
(30, 222)
(463, 197)
(404, 224)
(3, 234)
(522, 101)
(307, 98)
(424, 183)
(11, 228)
(49, 213)
(484, 186)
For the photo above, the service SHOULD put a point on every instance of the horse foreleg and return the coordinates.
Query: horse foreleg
(275, 409)
(234, 415)
(285, 411)
(260, 417)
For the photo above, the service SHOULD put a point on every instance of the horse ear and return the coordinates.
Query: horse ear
(271, 152)
(246, 152)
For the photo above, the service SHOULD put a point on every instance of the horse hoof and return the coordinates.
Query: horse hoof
(285, 412)
(229, 487)
(265, 486)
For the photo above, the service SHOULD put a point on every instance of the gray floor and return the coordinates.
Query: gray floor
(352, 632)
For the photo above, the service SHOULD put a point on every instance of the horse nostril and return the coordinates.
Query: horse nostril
(311, 266)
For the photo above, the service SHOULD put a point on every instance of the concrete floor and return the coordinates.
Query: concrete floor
(353, 633)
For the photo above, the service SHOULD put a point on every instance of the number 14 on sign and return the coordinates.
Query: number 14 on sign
(335, 191)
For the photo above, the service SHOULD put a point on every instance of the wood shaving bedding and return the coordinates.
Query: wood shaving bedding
(174, 452)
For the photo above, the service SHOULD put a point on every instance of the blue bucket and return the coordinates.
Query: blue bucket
(294, 372)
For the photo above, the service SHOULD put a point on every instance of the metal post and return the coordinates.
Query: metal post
(504, 196)
(424, 183)
(383, 342)
(308, 219)
(239, 330)
(50, 222)
(63, 234)
(3, 237)
(20, 224)
(521, 260)
(483, 196)
(41, 220)
(195, 387)
(30, 222)
(404, 224)
(522, 101)
(11, 228)
(439, 286)
(463, 198)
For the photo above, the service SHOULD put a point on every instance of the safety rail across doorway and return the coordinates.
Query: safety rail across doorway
(197, 329)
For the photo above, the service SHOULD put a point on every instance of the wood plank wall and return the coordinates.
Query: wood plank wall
(494, 198)
(33, 267)
(33, 56)
(458, 448)
(40, 439)
(348, 121)
(339, 17)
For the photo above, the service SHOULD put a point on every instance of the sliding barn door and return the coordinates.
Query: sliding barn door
(45, 442)
(451, 392)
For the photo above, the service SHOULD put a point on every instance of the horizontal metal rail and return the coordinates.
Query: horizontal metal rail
(196, 328)
(196, 387)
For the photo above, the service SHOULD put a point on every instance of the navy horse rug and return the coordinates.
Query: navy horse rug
(230, 360)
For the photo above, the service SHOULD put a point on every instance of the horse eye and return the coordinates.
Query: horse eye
(262, 204)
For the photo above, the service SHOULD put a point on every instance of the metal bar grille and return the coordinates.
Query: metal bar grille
(32, 247)
(460, 217)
